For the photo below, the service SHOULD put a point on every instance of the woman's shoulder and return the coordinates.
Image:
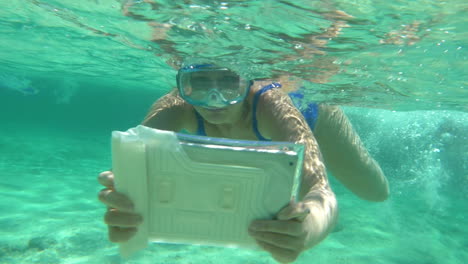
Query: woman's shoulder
(170, 112)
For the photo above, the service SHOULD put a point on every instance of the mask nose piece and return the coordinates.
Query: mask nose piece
(214, 98)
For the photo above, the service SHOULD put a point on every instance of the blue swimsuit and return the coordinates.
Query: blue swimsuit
(310, 112)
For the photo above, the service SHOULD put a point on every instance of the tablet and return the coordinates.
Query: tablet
(202, 190)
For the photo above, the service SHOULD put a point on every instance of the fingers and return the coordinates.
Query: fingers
(110, 197)
(279, 254)
(298, 211)
(119, 235)
(116, 200)
(106, 178)
(283, 239)
(122, 219)
(278, 240)
(290, 228)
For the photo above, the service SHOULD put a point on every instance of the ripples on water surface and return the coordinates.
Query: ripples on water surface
(400, 55)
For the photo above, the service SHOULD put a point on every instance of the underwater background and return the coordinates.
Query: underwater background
(73, 71)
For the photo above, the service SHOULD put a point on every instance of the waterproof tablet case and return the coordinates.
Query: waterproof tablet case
(202, 190)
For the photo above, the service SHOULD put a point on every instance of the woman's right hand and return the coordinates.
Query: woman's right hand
(120, 216)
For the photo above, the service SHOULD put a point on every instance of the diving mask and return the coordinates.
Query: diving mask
(211, 86)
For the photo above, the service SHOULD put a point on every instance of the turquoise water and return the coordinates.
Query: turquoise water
(73, 71)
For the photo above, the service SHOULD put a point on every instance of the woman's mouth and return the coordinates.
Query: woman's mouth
(215, 110)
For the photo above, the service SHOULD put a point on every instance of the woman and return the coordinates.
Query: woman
(215, 101)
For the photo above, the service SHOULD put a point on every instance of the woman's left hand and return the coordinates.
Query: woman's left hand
(285, 237)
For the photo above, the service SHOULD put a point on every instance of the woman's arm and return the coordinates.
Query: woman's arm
(346, 157)
(171, 113)
(281, 121)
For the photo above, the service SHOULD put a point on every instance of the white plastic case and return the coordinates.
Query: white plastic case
(202, 190)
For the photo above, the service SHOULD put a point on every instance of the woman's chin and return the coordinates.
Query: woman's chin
(220, 116)
(215, 116)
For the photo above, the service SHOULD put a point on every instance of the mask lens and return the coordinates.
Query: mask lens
(200, 83)
(230, 86)
(197, 87)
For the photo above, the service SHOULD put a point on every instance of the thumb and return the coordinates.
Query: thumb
(293, 210)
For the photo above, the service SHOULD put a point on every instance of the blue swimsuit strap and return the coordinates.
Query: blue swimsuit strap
(310, 112)
(254, 112)
(200, 124)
